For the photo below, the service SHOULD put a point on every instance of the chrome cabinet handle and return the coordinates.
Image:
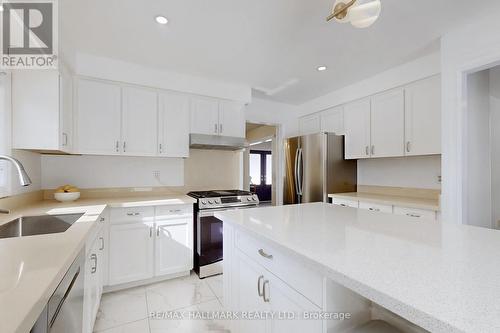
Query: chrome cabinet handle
(413, 215)
(102, 219)
(133, 214)
(215, 128)
(117, 146)
(175, 210)
(220, 128)
(265, 255)
(65, 139)
(160, 148)
(158, 232)
(124, 146)
(150, 232)
(264, 296)
(343, 205)
(94, 257)
(259, 290)
(367, 150)
(374, 209)
(408, 146)
(102, 243)
(373, 149)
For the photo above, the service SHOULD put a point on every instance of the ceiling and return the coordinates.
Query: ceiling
(270, 45)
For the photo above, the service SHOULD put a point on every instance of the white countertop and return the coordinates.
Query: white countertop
(442, 277)
(396, 200)
(32, 267)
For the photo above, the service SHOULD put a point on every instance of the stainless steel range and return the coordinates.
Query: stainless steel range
(208, 228)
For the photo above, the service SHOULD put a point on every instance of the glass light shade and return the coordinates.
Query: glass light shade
(364, 13)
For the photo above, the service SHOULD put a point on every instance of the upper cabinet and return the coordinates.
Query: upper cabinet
(357, 129)
(213, 117)
(332, 121)
(423, 117)
(387, 124)
(98, 118)
(42, 112)
(310, 124)
(173, 125)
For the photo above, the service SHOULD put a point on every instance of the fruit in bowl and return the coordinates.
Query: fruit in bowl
(67, 193)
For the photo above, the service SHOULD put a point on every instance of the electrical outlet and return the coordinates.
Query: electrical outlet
(156, 174)
(439, 179)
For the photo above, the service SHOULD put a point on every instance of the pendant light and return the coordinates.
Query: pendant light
(360, 13)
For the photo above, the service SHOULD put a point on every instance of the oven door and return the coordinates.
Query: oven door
(209, 237)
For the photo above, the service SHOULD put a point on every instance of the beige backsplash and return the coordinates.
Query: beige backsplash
(401, 191)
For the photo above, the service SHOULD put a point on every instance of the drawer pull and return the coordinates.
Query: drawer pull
(133, 214)
(265, 255)
(175, 210)
(102, 243)
(94, 258)
(264, 296)
(374, 209)
(102, 219)
(259, 281)
(413, 215)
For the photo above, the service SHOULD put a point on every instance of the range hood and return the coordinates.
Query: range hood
(204, 141)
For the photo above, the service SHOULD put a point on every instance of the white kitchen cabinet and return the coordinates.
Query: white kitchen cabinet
(231, 119)
(174, 246)
(139, 134)
(42, 110)
(98, 118)
(387, 124)
(204, 116)
(310, 124)
(423, 117)
(332, 121)
(131, 252)
(174, 125)
(357, 129)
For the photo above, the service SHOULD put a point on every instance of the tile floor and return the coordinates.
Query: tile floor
(128, 311)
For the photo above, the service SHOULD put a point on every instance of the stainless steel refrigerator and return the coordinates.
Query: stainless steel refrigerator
(315, 167)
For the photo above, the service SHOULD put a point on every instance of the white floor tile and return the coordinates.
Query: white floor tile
(215, 283)
(121, 307)
(141, 326)
(178, 293)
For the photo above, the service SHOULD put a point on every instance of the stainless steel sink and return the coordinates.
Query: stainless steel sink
(38, 225)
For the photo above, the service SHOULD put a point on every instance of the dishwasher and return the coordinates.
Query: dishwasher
(64, 311)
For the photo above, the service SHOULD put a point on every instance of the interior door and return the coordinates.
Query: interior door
(290, 189)
(357, 129)
(140, 114)
(174, 125)
(311, 166)
(98, 117)
(387, 124)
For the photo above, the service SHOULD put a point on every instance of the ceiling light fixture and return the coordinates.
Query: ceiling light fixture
(321, 68)
(1, 8)
(161, 19)
(360, 13)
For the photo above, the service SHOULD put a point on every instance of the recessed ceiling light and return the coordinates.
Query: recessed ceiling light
(321, 68)
(1, 8)
(161, 19)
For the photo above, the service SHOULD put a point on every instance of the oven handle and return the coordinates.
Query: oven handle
(210, 212)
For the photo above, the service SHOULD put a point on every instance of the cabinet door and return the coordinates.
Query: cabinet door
(66, 112)
(92, 291)
(98, 118)
(131, 252)
(204, 116)
(309, 125)
(139, 122)
(332, 121)
(283, 299)
(174, 125)
(357, 129)
(231, 119)
(387, 124)
(174, 246)
(250, 277)
(423, 117)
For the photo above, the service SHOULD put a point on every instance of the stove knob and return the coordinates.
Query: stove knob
(203, 202)
(210, 201)
(254, 199)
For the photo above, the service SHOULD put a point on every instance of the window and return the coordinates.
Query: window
(261, 174)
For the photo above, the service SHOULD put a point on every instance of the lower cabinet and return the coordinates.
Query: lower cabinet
(131, 252)
(141, 247)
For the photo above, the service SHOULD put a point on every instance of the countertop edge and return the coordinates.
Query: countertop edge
(396, 202)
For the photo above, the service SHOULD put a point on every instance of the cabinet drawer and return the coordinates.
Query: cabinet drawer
(375, 207)
(132, 214)
(304, 280)
(173, 211)
(415, 212)
(345, 203)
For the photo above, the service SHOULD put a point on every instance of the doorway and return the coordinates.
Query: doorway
(481, 149)
(260, 162)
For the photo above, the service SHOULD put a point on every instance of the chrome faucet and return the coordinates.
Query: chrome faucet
(24, 179)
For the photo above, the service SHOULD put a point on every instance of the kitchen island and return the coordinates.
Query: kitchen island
(324, 258)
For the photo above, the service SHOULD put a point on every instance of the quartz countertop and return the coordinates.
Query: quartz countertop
(32, 267)
(396, 200)
(442, 277)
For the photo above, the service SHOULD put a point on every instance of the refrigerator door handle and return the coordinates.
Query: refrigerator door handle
(300, 171)
(295, 172)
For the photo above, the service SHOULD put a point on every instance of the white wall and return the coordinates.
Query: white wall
(466, 48)
(117, 70)
(262, 111)
(413, 172)
(495, 144)
(478, 148)
(412, 71)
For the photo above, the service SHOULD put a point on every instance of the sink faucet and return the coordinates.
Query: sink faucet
(24, 179)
